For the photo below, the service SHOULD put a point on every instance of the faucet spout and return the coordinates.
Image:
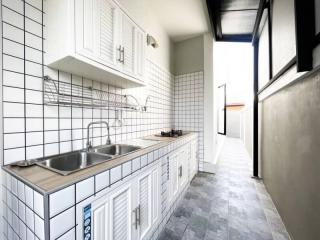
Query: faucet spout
(89, 145)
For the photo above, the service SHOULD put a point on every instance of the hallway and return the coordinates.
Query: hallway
(228, 205)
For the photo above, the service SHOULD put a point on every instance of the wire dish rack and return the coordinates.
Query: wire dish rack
(67, 94)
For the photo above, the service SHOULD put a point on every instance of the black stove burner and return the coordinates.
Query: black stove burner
(172, 133)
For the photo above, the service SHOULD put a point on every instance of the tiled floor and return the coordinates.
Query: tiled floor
(228, 205)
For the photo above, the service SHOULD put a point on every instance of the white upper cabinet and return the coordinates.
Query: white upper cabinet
(95, 39)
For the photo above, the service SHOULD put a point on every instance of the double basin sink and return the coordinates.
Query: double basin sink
(71, 162)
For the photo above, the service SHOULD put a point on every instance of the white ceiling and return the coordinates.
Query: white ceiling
(181, 19)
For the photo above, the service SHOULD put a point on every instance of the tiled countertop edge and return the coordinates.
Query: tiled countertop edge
(122, 160)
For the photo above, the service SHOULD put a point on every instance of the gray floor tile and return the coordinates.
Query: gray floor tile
(227, 205)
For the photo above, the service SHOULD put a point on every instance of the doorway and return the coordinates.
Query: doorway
(234, 76)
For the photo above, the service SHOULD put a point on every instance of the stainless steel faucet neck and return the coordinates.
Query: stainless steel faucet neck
(89, 145)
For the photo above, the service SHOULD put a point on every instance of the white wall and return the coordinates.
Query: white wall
(246, 128)
(233, 123)
(210, 123)
(141, 11)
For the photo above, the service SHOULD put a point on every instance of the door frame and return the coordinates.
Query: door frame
(225, 110)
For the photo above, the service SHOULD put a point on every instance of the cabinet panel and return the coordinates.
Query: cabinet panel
(86, 27)
(140, 53)
(107, 32)
(120, 215)
(183, 166)
(173, 172)
(128, 44)
(145, 204)
(100, 221)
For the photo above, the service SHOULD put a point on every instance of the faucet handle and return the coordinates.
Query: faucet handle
(89, 146)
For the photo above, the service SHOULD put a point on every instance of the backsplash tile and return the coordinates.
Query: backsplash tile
(188, 107)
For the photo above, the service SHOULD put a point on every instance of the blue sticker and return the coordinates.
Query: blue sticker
(87, 222)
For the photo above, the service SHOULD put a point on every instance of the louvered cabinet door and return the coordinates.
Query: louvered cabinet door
(120, 214)
(156, 194)
(144, 204)
(127, 44)
(107, 36)
(86, 27)
(140, 43)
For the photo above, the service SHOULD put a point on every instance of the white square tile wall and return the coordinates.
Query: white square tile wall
(23, 210)
(33, 129)
(188, 107)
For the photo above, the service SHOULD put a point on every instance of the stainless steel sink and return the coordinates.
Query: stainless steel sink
(116, 149)
(72, 162)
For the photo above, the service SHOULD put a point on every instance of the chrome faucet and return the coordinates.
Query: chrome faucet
(89, 145)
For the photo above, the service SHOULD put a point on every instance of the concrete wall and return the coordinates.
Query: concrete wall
(189, 56)
(290, 133)
(290, 156)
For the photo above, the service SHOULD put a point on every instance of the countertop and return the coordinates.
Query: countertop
(46, 181)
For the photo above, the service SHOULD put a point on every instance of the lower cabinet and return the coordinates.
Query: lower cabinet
(133, 210)
(126, 213)
(178, 170)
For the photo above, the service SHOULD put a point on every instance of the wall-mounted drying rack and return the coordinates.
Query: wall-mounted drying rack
(67, 94)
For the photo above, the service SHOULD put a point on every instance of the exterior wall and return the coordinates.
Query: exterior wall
(233, 123)
(290, 155)
(247, 129)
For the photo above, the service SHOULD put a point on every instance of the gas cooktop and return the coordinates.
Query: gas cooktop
(172, 133)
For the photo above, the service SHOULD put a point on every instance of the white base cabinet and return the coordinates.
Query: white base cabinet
(127, 212)
(133, 208)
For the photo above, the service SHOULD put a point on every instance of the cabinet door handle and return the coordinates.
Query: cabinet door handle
(122, 53)
(119, 50)
(180, 171)
(135, 218)
(139, 215)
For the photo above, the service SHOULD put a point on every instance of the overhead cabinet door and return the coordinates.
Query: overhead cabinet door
(140, 53)
(87, 30)
(127, 44)
(107, 39)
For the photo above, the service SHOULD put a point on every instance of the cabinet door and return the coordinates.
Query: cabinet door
(107, 37)
(183, 166)
(100, 220)
(148, 201)
(120, 214)
(127, 44)
(144, 204)
(173, 172)
(86, 27)
(140, 54)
